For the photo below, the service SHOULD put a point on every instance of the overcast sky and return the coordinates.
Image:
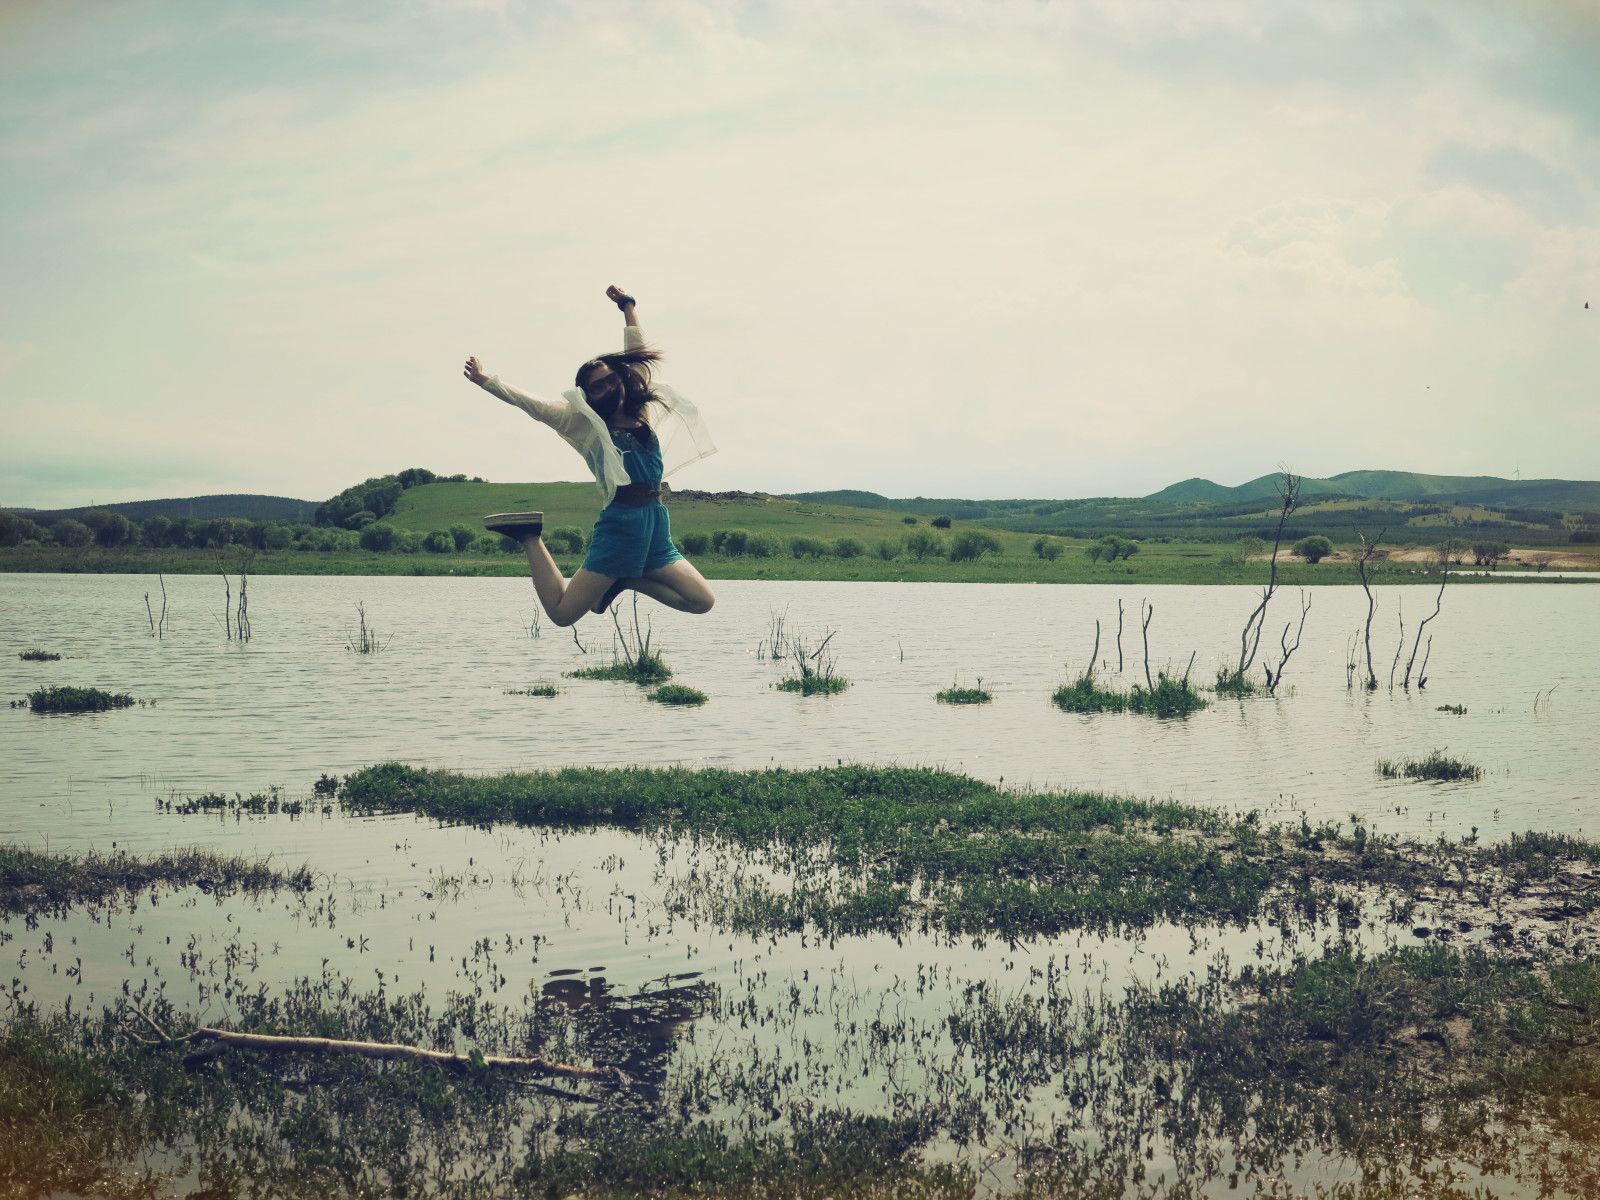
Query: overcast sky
(981, 248)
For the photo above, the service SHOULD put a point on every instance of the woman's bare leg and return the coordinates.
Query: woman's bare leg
(678, 585)
(563, 601)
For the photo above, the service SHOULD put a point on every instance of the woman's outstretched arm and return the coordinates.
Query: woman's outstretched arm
(557, 416)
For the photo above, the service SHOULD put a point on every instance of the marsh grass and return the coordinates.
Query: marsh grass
(31, 881)
(77, 700)
(955, 694)
(543, 691)
(815, 673)
(645, 669)
(1437, 767)
(1169, 698)
(1457, 710)
(1237, 684)
(677, 694)
(39, 656)
(814, 685)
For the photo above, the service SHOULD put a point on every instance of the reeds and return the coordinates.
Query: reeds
(956, 694)
(632, 659)
(814, 670)
(1438, 767)
(364, 639)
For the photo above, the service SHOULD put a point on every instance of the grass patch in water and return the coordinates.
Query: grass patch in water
(1235, 683)
(961, 695)
(646, 669)
(677, 694)
(1169, 698)
(1457, 710)
(31, 881)
(76, 700)
(1438, 767)
(541, 690)
(39, 656)
(814, 685)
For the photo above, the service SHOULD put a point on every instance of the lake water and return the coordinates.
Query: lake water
(582, 917)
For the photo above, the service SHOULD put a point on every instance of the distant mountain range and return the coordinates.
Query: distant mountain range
(1490, 490)
(256, 508)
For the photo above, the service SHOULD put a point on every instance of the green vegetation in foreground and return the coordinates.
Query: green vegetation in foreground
(961, 695)
(676, 693)
(1417, 1066)
(39, 656)
(543, 691)
(1169, 698)
(1438, 766)
(76, 700)
(30, 881)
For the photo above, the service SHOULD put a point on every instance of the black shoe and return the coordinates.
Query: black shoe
(521, 526)
(612, 592)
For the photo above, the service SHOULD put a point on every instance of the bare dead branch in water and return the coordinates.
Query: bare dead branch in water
(1438, 603)
(1145, 630)
(1094, 655)
(1368, 549)
(579, 644)
(1119, 637)
(1422, 672)
(1187, 669)
(1250, 636)
(1274, 678)
(1400, 646)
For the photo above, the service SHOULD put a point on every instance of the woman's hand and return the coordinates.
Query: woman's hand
(474, 371)
(619, 297)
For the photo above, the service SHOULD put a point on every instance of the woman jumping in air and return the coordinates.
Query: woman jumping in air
(632, 431)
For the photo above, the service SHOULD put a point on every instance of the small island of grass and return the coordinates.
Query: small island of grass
(76, 700)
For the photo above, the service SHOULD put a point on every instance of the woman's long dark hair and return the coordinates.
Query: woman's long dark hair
(632, 369)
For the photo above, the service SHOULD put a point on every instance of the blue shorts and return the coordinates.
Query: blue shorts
(630, 540)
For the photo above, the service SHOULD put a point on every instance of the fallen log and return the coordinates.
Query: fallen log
(276, 1043)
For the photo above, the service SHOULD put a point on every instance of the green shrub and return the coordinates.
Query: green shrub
(848, 547)
(941, 522)
(1489, 554)
(463, 536)
(408, 541)
(565, 540)
(676, 693)
(1313, 549)
(971, 545)
(379, 538)
(729, 541)
(696, 543)
(487, 543)
(1047, 548)
(439, 542)
(888, 549)
(909, 520)
(922, 546)
(76, 700)
(762, 545)
(807, 547)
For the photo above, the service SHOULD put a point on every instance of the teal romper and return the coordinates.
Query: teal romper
(631, 539)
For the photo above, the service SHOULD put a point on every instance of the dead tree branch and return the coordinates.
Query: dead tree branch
(1250, 636)
(1274, 678)
(1119, 637)
(1438, 603)
(1145, 630)
(1094, 655)
(1363, 568)
(1400, 646)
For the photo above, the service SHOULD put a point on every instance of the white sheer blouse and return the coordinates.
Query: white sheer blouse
(676, 422)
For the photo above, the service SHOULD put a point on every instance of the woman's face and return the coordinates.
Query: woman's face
(602, 389)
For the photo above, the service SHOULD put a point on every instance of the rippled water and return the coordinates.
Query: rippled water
(294, 702)
(582, 918)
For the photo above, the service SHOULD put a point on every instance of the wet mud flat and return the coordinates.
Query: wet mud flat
(866, 981)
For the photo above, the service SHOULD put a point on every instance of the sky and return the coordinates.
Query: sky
(960, 248)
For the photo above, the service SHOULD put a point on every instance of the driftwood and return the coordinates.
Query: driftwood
(380, 1050)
